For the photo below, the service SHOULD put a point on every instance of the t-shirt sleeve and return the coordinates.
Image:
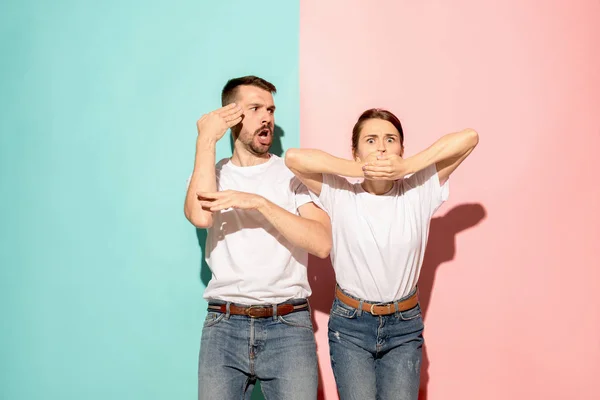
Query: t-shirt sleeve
(332, 185)
(301, 195)
(431, 194)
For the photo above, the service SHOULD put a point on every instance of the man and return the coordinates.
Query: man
(261, 223)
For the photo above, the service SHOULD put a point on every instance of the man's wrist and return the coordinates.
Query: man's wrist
(205, 142)
(262, 204)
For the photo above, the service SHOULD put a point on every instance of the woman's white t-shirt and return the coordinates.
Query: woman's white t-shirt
(379, 240)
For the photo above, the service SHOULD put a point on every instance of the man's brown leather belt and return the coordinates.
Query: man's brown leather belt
(258, 311)
(375, 308)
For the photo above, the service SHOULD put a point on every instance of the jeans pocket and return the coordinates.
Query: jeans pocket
(342, 310)
(298, 319)
(213, 318)
(413, 313)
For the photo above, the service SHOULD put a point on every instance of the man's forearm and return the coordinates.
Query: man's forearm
(310, 161)
(308, 234)
(203, 180)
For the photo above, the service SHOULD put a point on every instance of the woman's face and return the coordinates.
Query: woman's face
(377, 136)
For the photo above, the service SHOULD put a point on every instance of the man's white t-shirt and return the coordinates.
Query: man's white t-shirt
(379, 241)
(251, 262)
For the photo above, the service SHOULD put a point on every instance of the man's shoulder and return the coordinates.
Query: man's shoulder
(219, 166)
(278, 166)
(278, 162)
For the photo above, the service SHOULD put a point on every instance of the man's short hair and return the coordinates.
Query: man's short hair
(230, 90)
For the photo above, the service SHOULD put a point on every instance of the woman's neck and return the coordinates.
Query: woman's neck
(377, 187)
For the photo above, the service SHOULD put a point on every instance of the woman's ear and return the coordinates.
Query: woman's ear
(356, 157)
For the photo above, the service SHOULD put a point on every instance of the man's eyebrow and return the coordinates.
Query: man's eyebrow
(261, 105)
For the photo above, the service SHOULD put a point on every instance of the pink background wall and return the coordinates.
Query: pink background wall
(511, 282)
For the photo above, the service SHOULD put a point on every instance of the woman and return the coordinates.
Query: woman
(380, 229)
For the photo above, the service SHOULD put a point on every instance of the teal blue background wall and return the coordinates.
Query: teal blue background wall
(100, 289)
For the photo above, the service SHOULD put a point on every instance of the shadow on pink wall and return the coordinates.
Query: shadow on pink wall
(441, 248)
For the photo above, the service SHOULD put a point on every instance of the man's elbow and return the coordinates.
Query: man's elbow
(200, 220)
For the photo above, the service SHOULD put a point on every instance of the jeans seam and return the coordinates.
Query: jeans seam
(213, 322)
(288, 323)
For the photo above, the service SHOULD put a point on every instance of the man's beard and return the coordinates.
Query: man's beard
(256, 148)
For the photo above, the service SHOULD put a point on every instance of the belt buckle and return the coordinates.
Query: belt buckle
(372, 308)
(249, 311)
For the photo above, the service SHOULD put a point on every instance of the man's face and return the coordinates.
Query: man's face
(255, 131)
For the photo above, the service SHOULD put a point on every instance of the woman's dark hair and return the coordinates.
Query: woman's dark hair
(375, 113)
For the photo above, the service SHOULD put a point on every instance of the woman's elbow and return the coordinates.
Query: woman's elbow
(472, 137)
(291, 158)
(324, 249)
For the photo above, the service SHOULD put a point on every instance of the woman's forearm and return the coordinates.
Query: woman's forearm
(311, 161)
(447, 148)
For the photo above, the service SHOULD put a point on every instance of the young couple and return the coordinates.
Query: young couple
(264, 214)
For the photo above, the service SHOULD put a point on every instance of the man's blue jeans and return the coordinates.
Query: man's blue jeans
(237, 350)
(375, 357)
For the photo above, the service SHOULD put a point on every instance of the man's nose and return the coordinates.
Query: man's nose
(267, 118)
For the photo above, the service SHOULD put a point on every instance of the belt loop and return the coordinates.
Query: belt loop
(396, 308)
(360, 306)
(227, 312)
(274, 312)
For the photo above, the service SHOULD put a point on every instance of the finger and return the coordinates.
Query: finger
(376, 172)
(375, 168)
(379, 176)
(381, 163)
(378, 163)
(230, 111)
(234, 122)
(233, 116)
(226, 108)
(206, 204)
(221, 205)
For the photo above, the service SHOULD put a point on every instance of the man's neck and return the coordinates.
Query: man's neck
(243, 158)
